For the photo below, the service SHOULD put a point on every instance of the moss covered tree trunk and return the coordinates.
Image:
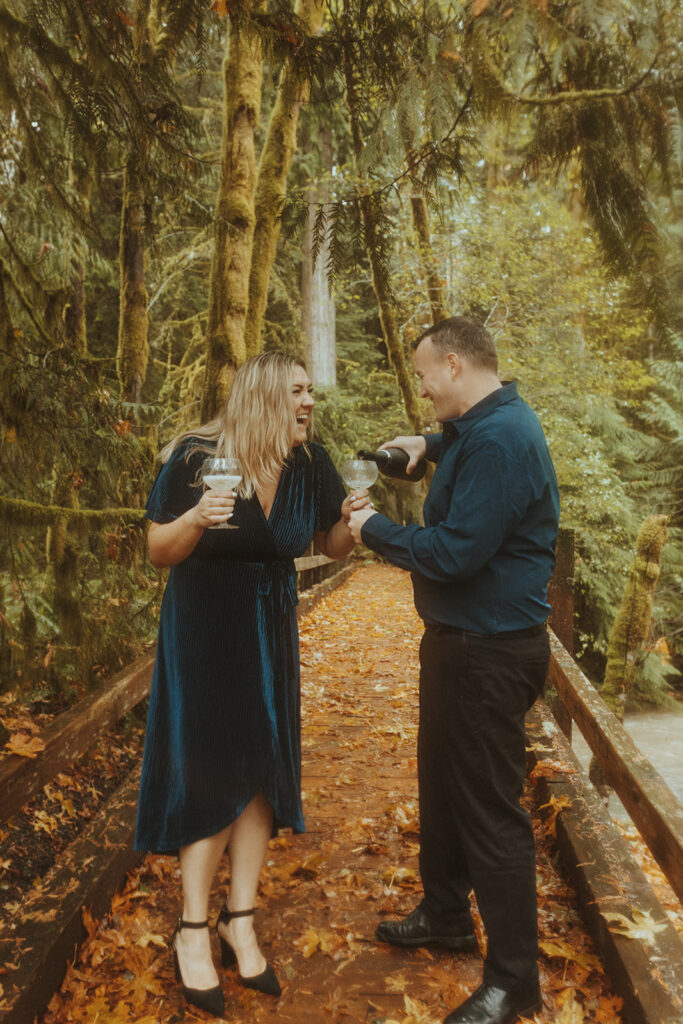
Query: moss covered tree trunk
(427, 260)
(632, 625)
(132, 354)
(276, 160)
(375, 247)
(234, 217)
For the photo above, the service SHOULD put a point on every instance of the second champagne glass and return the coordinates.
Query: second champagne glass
(222, 475)
(358, 473)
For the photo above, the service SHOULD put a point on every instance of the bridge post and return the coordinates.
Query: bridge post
(561, 621)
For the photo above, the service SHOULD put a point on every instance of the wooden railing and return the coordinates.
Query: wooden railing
(636, 941)
(48, 928)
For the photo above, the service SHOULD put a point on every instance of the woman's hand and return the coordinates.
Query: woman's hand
(213, 507)
(354, 502)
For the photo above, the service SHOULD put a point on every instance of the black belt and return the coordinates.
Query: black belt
(506, 634)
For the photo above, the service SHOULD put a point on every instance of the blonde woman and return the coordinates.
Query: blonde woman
(221, 766)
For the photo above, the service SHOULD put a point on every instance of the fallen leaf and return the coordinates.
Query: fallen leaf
(23, 745)
(642, 927)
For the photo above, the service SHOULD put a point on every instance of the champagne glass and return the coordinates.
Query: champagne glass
(358, 473)
(222, 475)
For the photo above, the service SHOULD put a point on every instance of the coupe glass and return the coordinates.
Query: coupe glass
(222, 475)
(358, 473)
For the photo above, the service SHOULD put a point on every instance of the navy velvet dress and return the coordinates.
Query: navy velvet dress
(223, 721)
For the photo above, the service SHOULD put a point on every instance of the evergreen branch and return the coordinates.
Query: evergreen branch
(431, 150)
(27, 306)
(581, 95)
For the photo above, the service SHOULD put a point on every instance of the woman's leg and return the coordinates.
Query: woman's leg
(198, 863)
(247, 846)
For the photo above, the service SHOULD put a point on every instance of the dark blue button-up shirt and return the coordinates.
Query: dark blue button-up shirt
(483, 559)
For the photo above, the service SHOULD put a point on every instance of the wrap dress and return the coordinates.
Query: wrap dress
(224, 713)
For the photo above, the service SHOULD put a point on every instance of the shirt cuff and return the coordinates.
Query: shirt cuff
(433, 442)
(374, 529)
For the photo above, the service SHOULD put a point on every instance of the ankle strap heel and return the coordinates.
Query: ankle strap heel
(266, 981)
(208, 999)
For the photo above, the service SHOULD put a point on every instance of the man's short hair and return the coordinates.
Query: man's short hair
(467, 338)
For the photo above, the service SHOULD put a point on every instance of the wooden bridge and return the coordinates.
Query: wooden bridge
(324, 892)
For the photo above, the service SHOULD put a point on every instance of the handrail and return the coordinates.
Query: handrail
(654, 809)
(75, 730)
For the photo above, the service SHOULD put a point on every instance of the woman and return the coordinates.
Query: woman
(221, 766)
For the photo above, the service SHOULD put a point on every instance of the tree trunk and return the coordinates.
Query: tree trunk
(132, 353)
(317, 297)
(369, 209)
(235, 216)
(74, 313)
(131, 359)
(276, 160)
(427, 260)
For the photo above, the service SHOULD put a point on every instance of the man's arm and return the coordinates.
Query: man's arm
(489, 500)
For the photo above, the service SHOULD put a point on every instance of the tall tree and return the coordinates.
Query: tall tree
(234, 215)
(274, 166)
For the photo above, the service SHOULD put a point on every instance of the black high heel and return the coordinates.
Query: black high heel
(209, 999)
(266, 981)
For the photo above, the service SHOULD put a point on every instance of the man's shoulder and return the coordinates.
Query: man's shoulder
(512, 427)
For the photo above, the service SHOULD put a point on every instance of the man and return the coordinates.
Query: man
(480, 568)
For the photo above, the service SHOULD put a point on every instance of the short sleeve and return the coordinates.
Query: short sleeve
(175, 490)
(330, 491)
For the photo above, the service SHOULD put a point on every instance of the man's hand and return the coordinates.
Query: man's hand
(415, 448)
(357, 520)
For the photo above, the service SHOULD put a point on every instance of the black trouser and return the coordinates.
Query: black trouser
(474, 694)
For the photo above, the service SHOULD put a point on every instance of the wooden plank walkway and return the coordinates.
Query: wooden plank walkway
(323, 893)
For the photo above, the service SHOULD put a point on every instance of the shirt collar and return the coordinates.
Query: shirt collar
(460, 424)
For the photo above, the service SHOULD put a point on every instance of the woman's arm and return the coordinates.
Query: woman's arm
(171, 543)
(337, 542)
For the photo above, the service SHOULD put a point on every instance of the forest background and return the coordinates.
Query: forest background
(182, 185)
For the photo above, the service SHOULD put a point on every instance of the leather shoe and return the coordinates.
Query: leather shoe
(491, 1005)
(416, 930)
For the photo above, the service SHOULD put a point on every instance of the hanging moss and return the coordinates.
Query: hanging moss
(632, 624)
(18, 512)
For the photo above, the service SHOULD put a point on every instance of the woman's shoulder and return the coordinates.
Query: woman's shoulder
(189, 447)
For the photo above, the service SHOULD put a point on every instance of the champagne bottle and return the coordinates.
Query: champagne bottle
(393, 461)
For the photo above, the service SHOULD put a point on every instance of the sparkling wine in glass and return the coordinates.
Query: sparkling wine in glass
(358, 473)
(222, 475)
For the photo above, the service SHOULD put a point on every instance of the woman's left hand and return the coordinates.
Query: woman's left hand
(354, 502)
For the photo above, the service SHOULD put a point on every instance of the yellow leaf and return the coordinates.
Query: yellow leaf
(571, 1012)
(565, 951)
(151, 937)
(642, 927)
(23, 745)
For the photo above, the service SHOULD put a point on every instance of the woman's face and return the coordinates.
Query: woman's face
(302, 402)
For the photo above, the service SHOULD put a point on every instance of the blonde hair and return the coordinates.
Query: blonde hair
(256, 423)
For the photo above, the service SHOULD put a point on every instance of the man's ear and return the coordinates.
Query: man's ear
(454, 364)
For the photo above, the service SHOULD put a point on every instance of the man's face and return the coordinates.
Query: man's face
(437, 375)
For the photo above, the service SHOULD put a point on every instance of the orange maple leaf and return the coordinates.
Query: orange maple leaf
(23, 745)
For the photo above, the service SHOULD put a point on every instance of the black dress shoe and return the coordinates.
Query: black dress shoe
(491, 1005)
(416, 930)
